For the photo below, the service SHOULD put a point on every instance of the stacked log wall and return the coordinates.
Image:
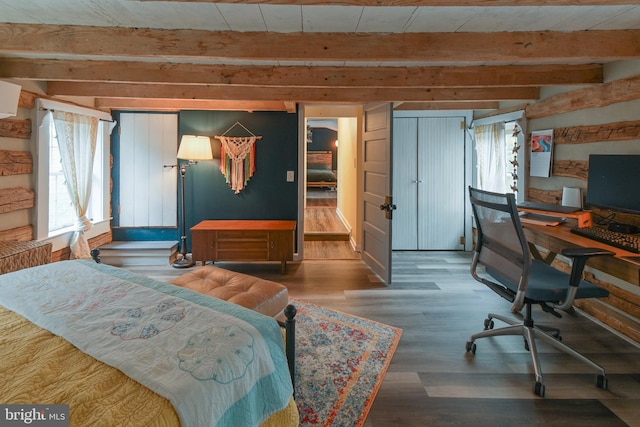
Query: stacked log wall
(17, 178)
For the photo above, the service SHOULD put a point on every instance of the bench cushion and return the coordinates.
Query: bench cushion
(263, 296)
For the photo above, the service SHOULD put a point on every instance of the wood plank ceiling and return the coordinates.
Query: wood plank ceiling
(273, 54)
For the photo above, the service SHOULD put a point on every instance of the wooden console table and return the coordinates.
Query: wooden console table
(243, 240)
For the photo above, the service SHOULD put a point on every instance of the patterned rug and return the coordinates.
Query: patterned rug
(341, 361)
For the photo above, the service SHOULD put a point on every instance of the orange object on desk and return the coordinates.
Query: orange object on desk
(583, 218)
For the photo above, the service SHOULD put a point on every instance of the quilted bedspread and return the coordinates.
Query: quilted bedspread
(204, 361)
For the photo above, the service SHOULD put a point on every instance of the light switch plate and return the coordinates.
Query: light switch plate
(290, 176)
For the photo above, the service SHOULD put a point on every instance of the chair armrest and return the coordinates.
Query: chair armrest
(585, 252)
(579, 257)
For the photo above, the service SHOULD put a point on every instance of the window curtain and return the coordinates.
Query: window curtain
(492, 162)
(77, 136)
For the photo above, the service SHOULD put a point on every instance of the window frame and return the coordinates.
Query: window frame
(60, 239)
(508, 119)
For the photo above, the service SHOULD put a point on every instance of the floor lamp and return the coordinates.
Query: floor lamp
(192, 148)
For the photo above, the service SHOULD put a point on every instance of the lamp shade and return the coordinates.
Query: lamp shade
(195, 148)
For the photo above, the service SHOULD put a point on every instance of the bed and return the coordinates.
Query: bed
(124, 349)
(319, 170)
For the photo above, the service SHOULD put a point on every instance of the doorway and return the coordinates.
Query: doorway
(321, 175)
(330, 165)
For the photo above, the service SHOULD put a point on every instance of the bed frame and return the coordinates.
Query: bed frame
(289, 326)
(325, 158)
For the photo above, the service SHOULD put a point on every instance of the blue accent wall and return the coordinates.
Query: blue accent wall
(267, 195)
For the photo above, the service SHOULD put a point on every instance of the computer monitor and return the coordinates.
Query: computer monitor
(614, 182)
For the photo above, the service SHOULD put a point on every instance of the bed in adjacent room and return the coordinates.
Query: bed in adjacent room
(124, 349)
(319, 169)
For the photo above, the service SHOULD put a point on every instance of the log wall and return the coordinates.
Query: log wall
(17, 166)
(599, 120)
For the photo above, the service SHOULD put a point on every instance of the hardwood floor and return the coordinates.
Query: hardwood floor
(432, 381)
(321, 197)
(325, 235)
(324, 221)
(329, 250)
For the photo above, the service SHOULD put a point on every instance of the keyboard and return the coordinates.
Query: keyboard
(627, 242)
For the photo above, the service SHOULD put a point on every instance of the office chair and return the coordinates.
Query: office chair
(512, 273)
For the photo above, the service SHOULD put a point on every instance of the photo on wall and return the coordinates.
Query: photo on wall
(541, 152)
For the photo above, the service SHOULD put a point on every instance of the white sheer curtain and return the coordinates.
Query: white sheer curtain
(492, 162)
(77, 136)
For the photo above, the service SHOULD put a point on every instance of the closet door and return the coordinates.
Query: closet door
(405, 184)
(441, 183)
(147, 188)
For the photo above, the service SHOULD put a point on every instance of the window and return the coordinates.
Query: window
(499, 157)
(61, 213)
(55, 216)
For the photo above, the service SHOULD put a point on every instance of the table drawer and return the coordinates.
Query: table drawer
(243, 234)
(242, 249)
(242, 255)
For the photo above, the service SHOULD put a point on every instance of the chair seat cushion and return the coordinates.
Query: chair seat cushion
(549, 284)
(263, 296)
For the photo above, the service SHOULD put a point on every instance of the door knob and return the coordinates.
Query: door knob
(388, 207)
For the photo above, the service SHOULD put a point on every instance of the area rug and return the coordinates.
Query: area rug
(341, 361)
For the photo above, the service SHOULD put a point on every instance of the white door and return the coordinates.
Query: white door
(148, 142)
(441, 190)
(376, 242)
(405, 183)
(429, 183)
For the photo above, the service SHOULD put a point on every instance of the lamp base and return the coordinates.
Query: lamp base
(184, 262)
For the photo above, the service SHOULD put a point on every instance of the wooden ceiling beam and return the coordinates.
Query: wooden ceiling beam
(292, 94)
(448, 105)
(592, 97)
(187, 104)
(291, 107)
(450, 3)
(162, 72)
(545, 46)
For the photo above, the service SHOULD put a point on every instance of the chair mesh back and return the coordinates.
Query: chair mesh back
(502, 245)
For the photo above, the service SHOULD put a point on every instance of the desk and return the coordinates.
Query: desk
(243, 240)
(621, 310)
(560, 237)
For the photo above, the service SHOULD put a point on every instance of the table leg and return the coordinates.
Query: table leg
(537, 255)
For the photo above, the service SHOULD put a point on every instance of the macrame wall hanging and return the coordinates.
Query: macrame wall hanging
(234, 164)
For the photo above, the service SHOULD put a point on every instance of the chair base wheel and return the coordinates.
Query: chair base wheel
(538, 389)
(602, 382)
(488, 324)
(471, 347)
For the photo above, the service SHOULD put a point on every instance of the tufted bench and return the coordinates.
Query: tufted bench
(264, 296)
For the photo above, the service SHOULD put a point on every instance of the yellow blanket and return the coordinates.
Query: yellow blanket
(41, 368)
